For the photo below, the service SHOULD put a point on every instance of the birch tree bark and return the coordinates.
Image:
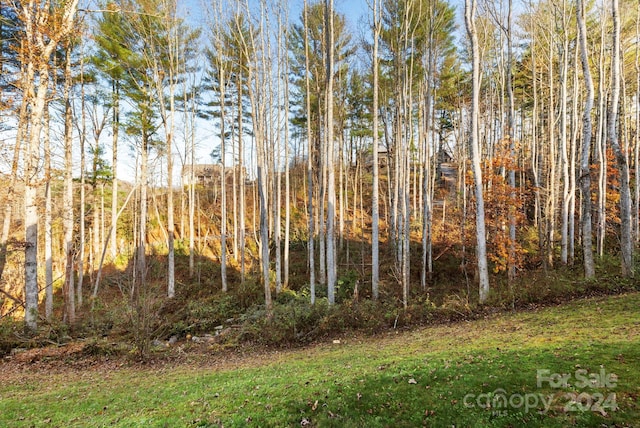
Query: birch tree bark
(253, 48)
(481, 243)
(564, 161)
(626, 235)
(375, 195)
(68, 192)
(601, 149)
(585, 173)
(223, 183)
(511, 129)
(48, 232)
(637, 137)
(311, 219)
(287, 161)
(218, 61)
(331, 195)
(40, 43)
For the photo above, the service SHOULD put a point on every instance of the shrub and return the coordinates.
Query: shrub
(205, 315)
(294, 321)
(9, 335)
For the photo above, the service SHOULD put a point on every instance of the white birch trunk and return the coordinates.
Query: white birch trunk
(48, 232)
(331, 189)
(375, 195)
(585, 173)
(626, 237)
(481, 246)
(601, 145)
(311, 223)
(40, 48)
(564, 161)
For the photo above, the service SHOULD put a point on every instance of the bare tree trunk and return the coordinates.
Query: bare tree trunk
(481, 248)
(287, 179)
(83, 136)
(82, 214)
(322, 196)
(426, 170)
(585, 173)
(95, 223)
(331, 196)
(68, 200)
(171, 273)
(535, 153)
(39, 48)
(564, 161)
(190, 124)
(48, 232)
(242, 181)
(341, 191)
(511, 113)
(259, 123)
(277, 159)
(141, 262)
(32, 153)
(115, 127)
(375, 203)
(403, 144)
(637, 136)
(223, 183)
(310, 241)
(601, 146)
(234, 192)
(31, 208)
(572, 164)
(626, 236)
(552, 181)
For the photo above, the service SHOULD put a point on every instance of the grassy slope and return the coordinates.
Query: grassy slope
(366, 382)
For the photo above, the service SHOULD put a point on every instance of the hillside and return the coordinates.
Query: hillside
(432, 376)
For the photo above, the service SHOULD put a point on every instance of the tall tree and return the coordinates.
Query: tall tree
(585, 172)
(375, 193)
(219, 69)
(41, 37)
(68, 189)
(626, 235)
(309, 62)
(109, 59)
(253, 45)
(481, 244)
(48, 229)
(307, 83)
(168, 42)
(331, 203)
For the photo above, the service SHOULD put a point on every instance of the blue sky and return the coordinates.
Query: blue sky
(357, 13)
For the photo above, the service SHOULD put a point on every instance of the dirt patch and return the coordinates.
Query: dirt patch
(81, 359)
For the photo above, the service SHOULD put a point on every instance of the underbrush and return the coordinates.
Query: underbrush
(239, 316)
(499, 371)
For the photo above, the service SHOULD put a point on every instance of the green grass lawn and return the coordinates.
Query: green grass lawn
(477, 374)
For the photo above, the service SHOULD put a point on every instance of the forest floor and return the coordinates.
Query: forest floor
(576, 364)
